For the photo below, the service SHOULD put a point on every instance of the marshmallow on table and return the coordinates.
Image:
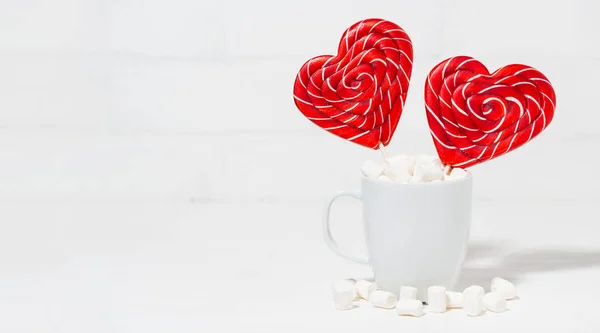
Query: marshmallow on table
(504, 288)
(494, 302)
(454, 299)
(383, 299)
(345, 284)
(436, 299)
(409, 307)
(473, 300)
(365, 288)
(344, 294)
(371, 169)
(408, 292)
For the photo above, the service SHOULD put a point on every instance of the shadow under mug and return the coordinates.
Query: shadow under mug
(416, 233)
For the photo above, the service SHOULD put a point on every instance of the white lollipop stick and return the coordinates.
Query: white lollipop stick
(447, 169)
(384, 153)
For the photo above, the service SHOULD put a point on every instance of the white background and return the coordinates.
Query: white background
(119, 117)
(191, 100)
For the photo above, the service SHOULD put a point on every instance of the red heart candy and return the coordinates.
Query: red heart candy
(475, 116)
(359, 94)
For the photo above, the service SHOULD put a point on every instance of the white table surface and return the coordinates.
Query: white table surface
(159, 267)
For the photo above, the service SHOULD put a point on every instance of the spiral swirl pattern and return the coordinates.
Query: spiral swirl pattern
(475, 116)
(359, 94)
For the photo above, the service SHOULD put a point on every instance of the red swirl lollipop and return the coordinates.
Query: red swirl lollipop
(475, 116)
(359, 94)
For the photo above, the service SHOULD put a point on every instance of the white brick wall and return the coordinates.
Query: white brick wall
(191, 100)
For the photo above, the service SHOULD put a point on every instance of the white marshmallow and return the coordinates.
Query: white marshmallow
(341, 302)
(344, 284)
(408, 292)
(473, 300)
(384, 177)
(383, 299)
(398, 173)
(403, 161)
(399, 159)
(428, 160)
(409, 307)
(494, 302)
(427, 174)
(344, 294)
(454, 299)
(372, 169)
(399, 168)
(419, 175)
(456, 173)
(504, 288)
(436, 299)
(365, 288)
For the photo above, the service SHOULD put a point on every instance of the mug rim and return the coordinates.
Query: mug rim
(468, 177)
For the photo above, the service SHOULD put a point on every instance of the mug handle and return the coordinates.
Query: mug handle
(361, 259)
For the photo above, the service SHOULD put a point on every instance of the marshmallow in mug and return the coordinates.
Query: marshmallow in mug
(456, 173)
(402, 163)
(410, 169)
(427, 174)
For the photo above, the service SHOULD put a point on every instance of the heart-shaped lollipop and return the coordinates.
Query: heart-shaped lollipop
(475, 116)
(359, 94)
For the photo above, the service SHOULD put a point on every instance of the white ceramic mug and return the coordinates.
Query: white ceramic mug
(416, 233)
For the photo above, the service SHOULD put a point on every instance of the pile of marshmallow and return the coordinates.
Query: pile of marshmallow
(473, 300)
(411, 169)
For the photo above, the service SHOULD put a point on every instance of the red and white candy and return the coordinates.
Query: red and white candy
(359, 94)
(475, 116)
